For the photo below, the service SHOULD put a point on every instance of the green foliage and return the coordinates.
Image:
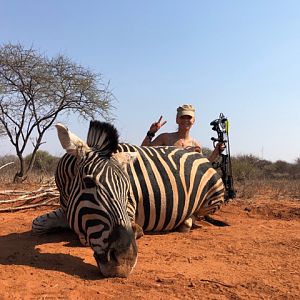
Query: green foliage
(44, 162)
(246, 167)
(250, 167)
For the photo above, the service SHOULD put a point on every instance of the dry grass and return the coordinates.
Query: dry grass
(7, 176)
(276, 188)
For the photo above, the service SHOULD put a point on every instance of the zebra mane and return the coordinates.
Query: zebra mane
(103, 137)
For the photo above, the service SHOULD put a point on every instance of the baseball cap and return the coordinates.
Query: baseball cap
(186, 110)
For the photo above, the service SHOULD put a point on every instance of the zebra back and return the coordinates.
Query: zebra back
(169, 185)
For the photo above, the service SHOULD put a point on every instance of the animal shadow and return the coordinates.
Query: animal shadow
(22, 249)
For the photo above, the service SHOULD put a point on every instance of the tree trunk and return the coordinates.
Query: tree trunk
(21, 175)
(19, 178)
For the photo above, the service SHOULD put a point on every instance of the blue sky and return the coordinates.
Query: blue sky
(241, 58)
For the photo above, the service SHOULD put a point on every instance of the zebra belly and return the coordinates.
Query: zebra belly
(159, 217)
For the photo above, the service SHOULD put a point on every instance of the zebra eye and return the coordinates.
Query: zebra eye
(89, 182)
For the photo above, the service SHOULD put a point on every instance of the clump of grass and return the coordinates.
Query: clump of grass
(275, 188)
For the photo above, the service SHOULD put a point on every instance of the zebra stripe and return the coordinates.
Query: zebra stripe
(50, 222)
(169, 185)
(97, 207)
(96, 183)
(94, 192)
(66, 168)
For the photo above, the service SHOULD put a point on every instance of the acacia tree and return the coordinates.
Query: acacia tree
(35, 89)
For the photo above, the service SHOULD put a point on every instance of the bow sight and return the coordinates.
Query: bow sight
(221, 126)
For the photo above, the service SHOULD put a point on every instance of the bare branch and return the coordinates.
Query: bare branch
(24, 199)
(10, 163)
(45, 203)
(35, 89)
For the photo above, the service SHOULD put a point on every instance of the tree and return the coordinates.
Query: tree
(245, 167)
(44, 162)
(35, 89)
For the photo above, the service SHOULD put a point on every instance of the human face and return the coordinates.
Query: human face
(185, 122)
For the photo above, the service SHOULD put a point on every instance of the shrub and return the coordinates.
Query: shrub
(45, 163)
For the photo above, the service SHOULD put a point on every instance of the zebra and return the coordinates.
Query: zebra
(149, 192)
(95, 200)
(169, 187)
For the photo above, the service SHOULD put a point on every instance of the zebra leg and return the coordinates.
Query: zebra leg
(186, 225)
(131, 210)
(138, 230)
(208, 208)
(203, 214)
(50, 222)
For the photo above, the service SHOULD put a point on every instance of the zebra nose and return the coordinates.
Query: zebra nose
(111, 256)
(121, 237)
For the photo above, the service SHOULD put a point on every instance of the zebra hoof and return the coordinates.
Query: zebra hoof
(185, 226)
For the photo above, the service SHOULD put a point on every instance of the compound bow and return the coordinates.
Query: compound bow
(221, 126)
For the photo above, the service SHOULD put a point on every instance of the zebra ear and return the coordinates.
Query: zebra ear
(70, 142)
(125, 158)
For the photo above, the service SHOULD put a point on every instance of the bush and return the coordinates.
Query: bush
(8, 172)
(249, 167)
(44, 163)
(246, 167)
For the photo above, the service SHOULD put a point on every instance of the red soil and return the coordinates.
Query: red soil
(256, 257)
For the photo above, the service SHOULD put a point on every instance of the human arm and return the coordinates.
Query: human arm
(159, 141)
(217, 152)
(151, 133)
(197, 147)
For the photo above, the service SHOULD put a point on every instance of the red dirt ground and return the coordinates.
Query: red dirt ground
(256, 257)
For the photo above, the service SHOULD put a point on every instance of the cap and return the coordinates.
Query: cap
(186, 110)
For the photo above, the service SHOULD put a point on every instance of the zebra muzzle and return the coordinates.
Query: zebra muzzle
(111, 256)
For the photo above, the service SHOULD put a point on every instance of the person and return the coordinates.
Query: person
(181, 138)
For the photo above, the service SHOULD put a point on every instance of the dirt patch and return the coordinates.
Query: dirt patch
(274, 210)
(256, 257)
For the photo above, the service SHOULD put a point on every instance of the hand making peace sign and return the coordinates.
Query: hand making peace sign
(157, 125)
